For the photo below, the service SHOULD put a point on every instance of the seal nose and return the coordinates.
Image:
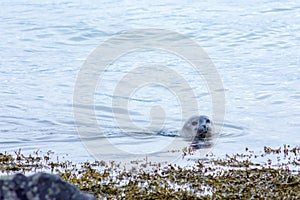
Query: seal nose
(201, 132)
(202, 128)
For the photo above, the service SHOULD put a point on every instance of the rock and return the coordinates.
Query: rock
(41, 186)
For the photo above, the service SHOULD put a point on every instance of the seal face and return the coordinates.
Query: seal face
(198, 128)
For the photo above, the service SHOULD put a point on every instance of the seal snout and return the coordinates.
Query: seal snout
(204, 126)
(201, 132)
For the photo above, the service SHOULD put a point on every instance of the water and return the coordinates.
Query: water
(254, 45)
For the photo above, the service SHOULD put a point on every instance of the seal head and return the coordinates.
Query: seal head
(204, 127)
(198, 128)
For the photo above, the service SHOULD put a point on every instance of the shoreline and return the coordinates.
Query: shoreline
(244, 175)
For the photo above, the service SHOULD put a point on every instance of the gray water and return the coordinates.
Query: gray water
(254, 46)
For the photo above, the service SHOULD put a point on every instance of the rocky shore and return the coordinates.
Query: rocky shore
(40, 186)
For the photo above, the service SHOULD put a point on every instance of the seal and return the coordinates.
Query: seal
(198, 128)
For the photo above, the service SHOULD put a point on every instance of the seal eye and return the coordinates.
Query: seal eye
(194, 123)
(207, 121)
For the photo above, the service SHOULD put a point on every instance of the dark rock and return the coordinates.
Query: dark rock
(41, 186)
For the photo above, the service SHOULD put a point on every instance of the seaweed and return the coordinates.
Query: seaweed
(269, 174)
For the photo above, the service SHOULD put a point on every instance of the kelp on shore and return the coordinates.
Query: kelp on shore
(239, 176)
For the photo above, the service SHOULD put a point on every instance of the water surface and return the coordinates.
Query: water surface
(254, 46)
